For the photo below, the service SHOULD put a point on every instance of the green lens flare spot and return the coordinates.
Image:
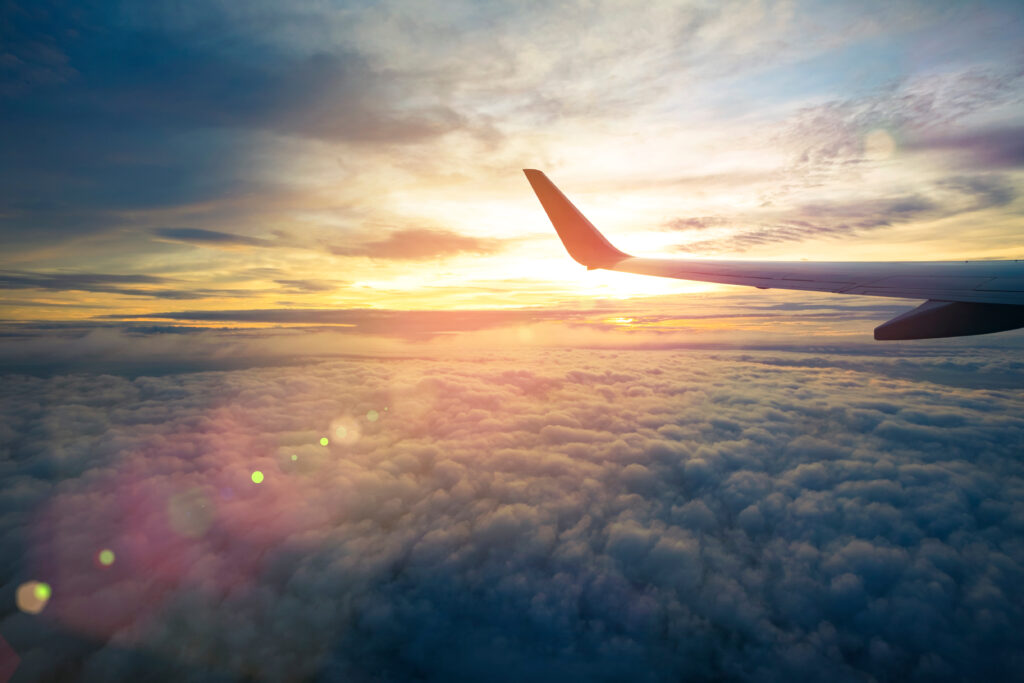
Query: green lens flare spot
(42, 591)
(106, 557)
(31, 597)
(294, 457)
(324, 441)
(373, 416)
(257, 477)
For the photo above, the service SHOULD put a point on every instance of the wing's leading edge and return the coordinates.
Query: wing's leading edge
(963, 297)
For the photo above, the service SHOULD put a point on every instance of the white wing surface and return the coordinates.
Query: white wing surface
(963, 297)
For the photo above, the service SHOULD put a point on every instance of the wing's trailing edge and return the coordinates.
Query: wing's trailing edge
(962, 297)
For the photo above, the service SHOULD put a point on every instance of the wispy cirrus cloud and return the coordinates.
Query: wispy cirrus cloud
(982, 149)
(410, 244)
(946, 198)
(834, 133)
(149, 285)
(309, 285)
(213, 238)
(419, 244)
(156, 287)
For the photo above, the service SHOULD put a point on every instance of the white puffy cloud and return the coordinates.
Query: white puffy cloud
(579, 515)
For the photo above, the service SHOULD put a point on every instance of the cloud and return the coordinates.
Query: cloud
(836, 133)
(987, 191)
(663, 323)
(214, 238)
(420, 244)
(377, 321)
(309, 285)
(696, 223)
(749, 515)
(412, 244)
(143, 112)
(100, 282)
(983, 149)
(947, 197)
(75, 280)
(110, 284)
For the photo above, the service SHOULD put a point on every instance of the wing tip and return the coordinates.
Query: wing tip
(582, 240)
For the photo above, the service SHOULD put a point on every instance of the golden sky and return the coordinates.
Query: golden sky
(221, 156)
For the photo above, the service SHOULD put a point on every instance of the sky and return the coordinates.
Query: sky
(298, 383)
(194, 156)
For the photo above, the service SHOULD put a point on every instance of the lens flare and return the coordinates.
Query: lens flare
(190, 512)
(32, 596)
(324, 441)
(257, 477)
(294, 457)
(106, 557)
(879, 144)
(345, 430)
(373, 416)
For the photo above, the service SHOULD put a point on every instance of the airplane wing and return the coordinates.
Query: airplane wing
(962, 297)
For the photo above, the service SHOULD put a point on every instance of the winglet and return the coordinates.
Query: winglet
(581, 239)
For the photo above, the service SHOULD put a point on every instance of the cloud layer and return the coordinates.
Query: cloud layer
(565, 515)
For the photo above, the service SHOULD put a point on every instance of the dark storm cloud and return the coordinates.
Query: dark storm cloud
(103, 113)
(561, 516)
(420, 244)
